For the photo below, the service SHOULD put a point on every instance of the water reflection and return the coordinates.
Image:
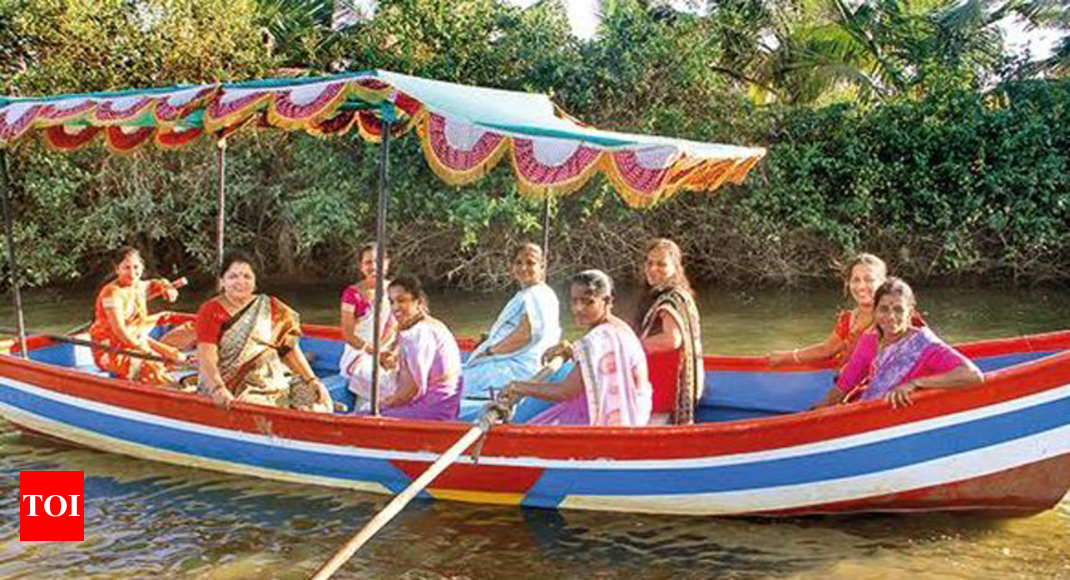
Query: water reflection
(145, 519)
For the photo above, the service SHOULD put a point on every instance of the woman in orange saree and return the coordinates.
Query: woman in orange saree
(861, 278)
(122, 321)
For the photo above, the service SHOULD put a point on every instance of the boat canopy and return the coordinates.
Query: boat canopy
(464, 130)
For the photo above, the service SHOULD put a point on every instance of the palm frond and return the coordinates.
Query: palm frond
(965, 16)
(1058, 64)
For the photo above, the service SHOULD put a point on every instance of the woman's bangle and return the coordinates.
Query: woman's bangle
(795, 356)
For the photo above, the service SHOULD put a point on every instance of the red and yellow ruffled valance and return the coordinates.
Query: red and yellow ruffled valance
(464, 131)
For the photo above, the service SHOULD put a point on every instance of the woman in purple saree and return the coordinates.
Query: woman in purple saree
(609, 384)
(428, 362)
(895, 359)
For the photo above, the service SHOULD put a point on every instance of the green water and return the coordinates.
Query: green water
(147, 520)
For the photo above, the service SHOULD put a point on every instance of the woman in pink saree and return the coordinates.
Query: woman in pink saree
(609, 384)
(896, 358)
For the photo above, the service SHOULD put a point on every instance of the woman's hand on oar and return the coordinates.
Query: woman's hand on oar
(93, 345)
(515, 391)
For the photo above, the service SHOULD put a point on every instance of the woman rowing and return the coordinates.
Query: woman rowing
(358, 325)
(609, 383)
(427, 364)
(247, 346)
(527, 326)
(897, 358)
(668, 323)
(122, 321)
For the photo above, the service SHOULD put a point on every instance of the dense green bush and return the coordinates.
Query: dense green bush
(953, 183)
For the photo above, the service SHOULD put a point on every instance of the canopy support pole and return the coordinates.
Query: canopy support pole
(546, 230)
(9, 230)
(387, 120)
(221, 197)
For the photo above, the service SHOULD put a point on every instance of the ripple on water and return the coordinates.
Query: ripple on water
(152, 520)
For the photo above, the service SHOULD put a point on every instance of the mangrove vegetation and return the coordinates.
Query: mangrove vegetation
(910, 129)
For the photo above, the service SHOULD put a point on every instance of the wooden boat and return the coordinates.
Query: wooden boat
(1000, 448)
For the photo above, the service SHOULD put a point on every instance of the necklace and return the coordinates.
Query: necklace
(232, 305)
(412, 321)
(886, 342)
(861, 319)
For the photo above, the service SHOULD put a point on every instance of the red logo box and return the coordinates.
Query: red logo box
(51, 506)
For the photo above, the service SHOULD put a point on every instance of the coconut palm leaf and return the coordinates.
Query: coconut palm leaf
(297, 30)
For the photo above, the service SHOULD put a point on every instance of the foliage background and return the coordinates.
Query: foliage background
(910, 133)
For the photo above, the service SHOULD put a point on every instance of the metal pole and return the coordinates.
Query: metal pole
(9, 227)
(380, 254)
(221, 197)
(546, 230)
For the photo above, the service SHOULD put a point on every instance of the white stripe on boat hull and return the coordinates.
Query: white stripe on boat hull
(945, 470)
(654, 464)
(110, 444)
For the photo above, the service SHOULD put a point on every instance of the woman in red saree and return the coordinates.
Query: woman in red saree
(247, 346)
(122, 321)
(861, 278)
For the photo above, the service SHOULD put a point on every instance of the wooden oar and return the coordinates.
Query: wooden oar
(177, 283)
(494, 413)
(95, 345)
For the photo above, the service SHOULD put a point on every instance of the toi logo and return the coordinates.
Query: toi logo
(51, 506)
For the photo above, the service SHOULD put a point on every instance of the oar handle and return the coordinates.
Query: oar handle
(504, 406)
(492, 413)
(88, 343)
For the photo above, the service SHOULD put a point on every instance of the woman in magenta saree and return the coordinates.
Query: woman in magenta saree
(609, 384)
(895, 359)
